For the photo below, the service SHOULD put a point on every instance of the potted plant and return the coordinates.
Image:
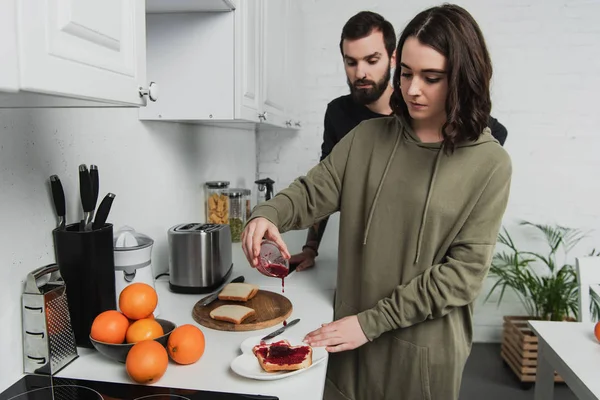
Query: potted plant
(545, 283)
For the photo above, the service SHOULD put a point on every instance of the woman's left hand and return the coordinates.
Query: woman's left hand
(341, 335)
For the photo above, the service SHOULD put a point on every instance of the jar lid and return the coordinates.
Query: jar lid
(217, 184)
(236, 192)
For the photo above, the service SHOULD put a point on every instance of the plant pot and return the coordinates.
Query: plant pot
(520, 348)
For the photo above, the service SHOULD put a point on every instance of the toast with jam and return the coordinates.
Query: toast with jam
(282, 356)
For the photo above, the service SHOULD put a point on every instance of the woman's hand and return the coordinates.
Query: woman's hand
(257, 230)
(341, 335)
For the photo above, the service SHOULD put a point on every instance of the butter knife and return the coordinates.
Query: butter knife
(212, 297)
(280, 330)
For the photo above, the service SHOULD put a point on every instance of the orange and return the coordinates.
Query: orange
(147, 361)
(186, 344)
(109, 327)
(597, 330)
(143, 329)
(138, 300)
(131, 321)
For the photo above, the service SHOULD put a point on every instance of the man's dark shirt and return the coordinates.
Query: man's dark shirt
(344, 114)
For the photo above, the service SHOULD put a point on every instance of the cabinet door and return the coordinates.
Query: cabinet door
(274, 66)
(247, 45)
(85, 49)
(295, 66)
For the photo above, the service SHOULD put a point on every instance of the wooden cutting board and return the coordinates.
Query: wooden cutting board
(271, 309)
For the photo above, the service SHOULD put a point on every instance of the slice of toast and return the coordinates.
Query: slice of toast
(281, 356)
(232, 313)
(238, 291)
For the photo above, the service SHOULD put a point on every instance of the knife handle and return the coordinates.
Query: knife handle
(239, 279)
(95, 180)
(85, 189)
(103, 210)
(58, 195)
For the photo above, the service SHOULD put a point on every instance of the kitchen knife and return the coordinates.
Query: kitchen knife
(58, 196)
(280, 330)
(95, 181)
(85, 191)
(103, 210)
(212, 297)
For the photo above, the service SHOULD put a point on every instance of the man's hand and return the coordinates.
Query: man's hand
(252, 236)
(305, 260)
(341, 335)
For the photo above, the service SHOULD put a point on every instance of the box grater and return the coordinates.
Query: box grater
(48, 338)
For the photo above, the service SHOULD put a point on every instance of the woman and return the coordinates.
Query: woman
(421, 197)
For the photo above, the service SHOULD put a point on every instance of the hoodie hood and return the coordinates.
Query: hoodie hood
(405, 132)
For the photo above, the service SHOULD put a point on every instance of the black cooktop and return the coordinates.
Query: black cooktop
(43, 387)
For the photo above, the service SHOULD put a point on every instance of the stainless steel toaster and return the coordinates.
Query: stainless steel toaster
(199, 257)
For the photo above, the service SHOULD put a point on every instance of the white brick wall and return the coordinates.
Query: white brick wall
(546, 57)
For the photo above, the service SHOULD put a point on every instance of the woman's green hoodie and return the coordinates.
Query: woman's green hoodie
(417, 233)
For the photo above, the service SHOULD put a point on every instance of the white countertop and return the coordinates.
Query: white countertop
(311, 294)
(577, 351)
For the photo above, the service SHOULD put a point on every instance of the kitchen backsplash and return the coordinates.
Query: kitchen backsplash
(156, 170)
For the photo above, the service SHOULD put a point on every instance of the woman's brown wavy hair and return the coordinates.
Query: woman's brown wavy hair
(453, 32)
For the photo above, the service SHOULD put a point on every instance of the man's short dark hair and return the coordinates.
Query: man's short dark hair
(363, 24)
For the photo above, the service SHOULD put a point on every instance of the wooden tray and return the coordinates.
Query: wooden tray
(271, 308)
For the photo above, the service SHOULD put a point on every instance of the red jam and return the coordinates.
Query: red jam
(283, 354)
(284, 323)
(262, 352)
(279, 271)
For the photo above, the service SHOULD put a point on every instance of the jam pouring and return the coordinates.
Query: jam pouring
(272, 263)
(279, 271)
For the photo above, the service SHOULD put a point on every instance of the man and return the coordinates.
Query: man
(367, 44)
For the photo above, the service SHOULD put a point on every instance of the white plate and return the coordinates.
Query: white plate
(247, 365)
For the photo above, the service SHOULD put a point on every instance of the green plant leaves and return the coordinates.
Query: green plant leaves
(552, 295)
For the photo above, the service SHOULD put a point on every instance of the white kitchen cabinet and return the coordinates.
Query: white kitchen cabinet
(72, 53)
(222, 67)
(274, 69)
(295, 66)
(186, 6)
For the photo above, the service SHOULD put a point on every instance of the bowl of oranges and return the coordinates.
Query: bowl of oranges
(114, 333)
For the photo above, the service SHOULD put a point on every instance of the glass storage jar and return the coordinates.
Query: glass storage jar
(237, 212)
(247, 200)
(217, 202)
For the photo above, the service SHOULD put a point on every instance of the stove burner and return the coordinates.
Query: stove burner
(60, 392)
(44, 387)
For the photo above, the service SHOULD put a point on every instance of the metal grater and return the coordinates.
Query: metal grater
(48, 338)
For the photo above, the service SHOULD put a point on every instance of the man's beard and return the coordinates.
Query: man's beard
(372, 94)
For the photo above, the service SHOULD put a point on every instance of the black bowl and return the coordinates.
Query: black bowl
(118, 352)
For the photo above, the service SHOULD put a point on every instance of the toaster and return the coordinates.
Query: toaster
(199, 257)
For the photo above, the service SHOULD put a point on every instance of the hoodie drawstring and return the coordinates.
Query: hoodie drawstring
(424, 218)
(387, 167)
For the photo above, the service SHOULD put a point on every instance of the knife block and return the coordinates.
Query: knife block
(86, 263)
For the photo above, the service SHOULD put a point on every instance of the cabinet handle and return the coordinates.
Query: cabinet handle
(262, 116)
(288, 123)
(297, 123)
(151, 91)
